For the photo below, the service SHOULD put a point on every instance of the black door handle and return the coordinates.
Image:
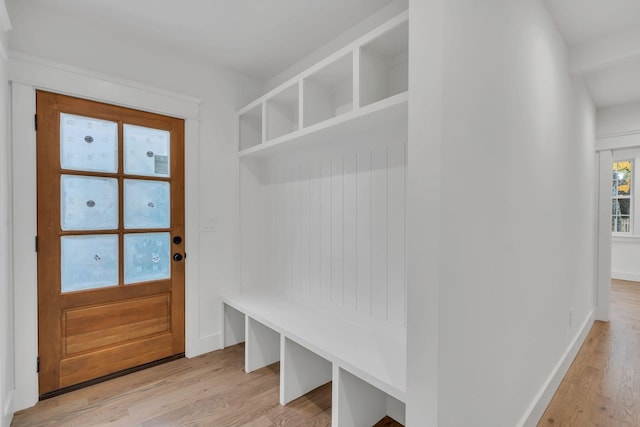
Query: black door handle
(177, 257)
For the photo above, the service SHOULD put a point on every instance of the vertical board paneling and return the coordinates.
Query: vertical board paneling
(379, 226)
(288, 229)
(364, 233)
(337, 230)
(325, 229)
(350, 232)
(396, 301)
(296, 225)
(314, 230)
(304, 229)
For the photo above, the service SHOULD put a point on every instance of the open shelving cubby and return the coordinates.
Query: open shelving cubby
(384, 65)
(250, 128)
(283, 113)
(328, 92)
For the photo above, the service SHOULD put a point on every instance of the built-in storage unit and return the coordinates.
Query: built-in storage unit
(322, 164)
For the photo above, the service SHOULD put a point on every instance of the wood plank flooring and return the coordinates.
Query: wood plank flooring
(602, 387)
(209, 390)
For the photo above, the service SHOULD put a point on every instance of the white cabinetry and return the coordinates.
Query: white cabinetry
(322, 163)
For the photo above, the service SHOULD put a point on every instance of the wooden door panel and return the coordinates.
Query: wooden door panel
(94, 327)
(77, 369)
(89, 333)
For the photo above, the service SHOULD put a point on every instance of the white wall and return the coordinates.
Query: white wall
(45, 34)
(517, 244)
(6, 290)
(618, 120)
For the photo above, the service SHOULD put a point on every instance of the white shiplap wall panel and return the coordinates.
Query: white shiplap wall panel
(396, 290)
(379, 233)
(337, 230)
(350, 232)
(325, 229)
(364, 186)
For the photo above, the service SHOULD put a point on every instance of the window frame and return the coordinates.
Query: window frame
(629, 197)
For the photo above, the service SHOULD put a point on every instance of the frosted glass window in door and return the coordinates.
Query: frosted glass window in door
(146, 204)
(89, 262)
(146, 257)
(88, 203)
(146, 151)
(88, 144)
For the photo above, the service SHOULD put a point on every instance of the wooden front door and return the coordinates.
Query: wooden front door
(110, 239)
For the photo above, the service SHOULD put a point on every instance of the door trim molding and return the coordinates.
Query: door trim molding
(26, 76)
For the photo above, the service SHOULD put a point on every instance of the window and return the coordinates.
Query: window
(621, 209)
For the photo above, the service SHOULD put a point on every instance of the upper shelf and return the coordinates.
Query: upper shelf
(360, 86)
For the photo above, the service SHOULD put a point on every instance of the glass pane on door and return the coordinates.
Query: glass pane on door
(146, 204)
(146, 151)
(147, 256)
(89, 262)
(88, 203)
(88, 144)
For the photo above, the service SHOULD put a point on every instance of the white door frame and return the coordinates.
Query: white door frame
(26, 76)
(604, 150)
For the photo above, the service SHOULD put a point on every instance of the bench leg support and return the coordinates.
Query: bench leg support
(262, 347)
(301, 371)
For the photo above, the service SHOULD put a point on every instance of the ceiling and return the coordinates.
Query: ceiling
(604, 41)
(255, 38)
(261, 38)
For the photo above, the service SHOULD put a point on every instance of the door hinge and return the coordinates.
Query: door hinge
(36, 239)
(38, 364)
(35, 122)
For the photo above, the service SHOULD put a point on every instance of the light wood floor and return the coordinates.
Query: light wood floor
(602, 387)
(209, 390)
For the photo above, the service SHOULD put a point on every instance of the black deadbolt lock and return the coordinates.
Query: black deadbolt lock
(177, 240)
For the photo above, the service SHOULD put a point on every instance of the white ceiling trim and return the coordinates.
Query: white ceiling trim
(66, 79)
(602, 53)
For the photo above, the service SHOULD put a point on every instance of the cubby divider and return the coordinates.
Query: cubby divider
(262, 347)
(301, 371)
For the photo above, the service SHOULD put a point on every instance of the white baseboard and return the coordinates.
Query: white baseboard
(536, 409)
(7, 410)
(621, 275)
(204, 345)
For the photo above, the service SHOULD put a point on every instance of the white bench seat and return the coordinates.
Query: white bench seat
(338, 348)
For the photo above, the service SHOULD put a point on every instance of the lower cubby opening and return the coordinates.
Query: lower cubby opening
(234, 328)
(357, 403)
(301, 371)
(262, 346)
(305, 376)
